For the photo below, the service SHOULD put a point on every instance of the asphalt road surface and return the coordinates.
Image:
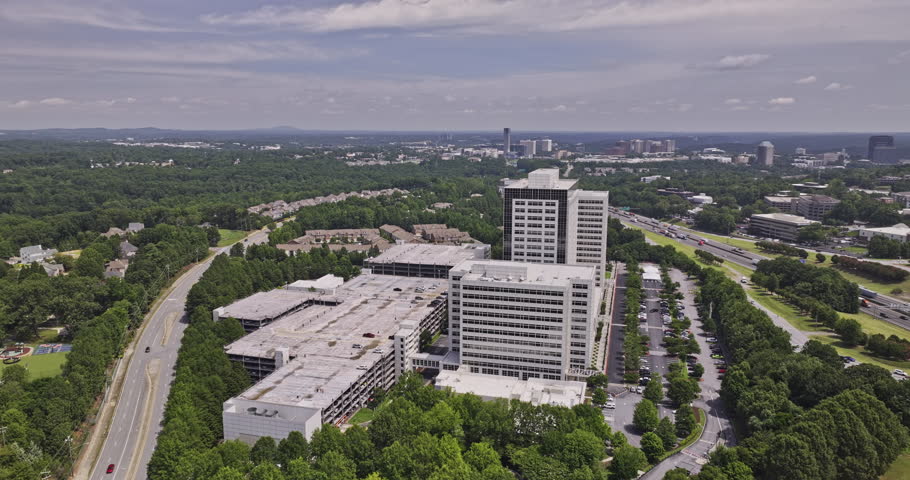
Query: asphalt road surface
(718, 428)
(139, 410)
(882, 307)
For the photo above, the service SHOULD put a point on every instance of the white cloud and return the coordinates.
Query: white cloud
(497, 16)
(170, 99)
(109, 16)
(683, 107)
(900, 58)
(21, 104)
(449, 98)
(560, 108)
(732, 101)
(836, 87)
(740, 108)
(737, 62)
(130, 100)
(806, 80)
(782, 101)
(55, 101)
(187, 53)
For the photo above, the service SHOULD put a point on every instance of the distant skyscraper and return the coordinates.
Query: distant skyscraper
(623, 146)
(637, 146)
(669, 145)
(530, 147)
(506, 141)
(881, 149)
(764, 154)
(545, 145)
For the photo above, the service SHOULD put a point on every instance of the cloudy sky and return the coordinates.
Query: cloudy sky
(593, 65)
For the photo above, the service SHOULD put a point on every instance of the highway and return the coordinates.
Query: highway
(139, 410)
(883, 307)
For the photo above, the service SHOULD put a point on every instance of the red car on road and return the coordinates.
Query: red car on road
(110, 468)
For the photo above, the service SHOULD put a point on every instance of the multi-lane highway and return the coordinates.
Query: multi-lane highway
(883, 307)
(138, 412)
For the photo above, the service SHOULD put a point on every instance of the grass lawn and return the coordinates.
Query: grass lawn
(41, 366)
(860, 354)
(230, 237)
(884, 288)
(871, 325)
(362, 415)
(900, 469)
(693, 437)
(47, 335)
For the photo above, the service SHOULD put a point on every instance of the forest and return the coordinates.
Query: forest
(53, 197)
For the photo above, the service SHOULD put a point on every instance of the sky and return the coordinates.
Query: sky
(450, 65)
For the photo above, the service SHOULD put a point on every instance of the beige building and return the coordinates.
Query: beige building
(815, 207)
(778, 225)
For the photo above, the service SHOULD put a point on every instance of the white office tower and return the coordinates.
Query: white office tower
(545, 145)
(529, 147)
(523, 320)
(547, 220)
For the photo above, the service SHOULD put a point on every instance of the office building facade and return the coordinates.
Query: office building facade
(545, 145)
(506, 141)
(529, 148)
(882, 150)
(815, 207)
(547, 220)
(764, 154)
(522, 320)
(778, 225)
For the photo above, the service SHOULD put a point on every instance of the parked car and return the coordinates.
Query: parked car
(610, 405)
(899, 372)
(716, 356)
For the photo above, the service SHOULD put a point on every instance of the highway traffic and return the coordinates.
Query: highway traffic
(139, 410)
(889, 309)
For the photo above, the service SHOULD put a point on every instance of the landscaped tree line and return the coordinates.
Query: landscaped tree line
(805, 416)
(417, 433)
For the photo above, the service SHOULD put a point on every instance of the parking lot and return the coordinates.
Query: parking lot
(651, 324)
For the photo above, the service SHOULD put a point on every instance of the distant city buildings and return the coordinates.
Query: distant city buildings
(815, 207)
(506, 141)
(528, 148)
(882, 150)
(764, 154)
(545, 145)
(800, 151)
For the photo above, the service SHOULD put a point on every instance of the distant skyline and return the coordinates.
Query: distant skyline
(457, 65)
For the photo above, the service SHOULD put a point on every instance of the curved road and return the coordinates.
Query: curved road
(139, 410)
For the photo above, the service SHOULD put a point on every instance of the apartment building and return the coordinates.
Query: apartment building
(548, 220)
(523, 320)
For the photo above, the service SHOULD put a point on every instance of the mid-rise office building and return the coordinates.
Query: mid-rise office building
(815, 207)
(783, 203)
(529, 147)
(548, 220)
(523, 320)
(882, 150)
(778, 225)
(637, 146)
(764, 154)
(545, 145)
(669, 146)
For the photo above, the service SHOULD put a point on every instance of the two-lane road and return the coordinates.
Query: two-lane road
(139, 410)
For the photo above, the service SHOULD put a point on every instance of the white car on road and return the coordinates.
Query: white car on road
(900, 372)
